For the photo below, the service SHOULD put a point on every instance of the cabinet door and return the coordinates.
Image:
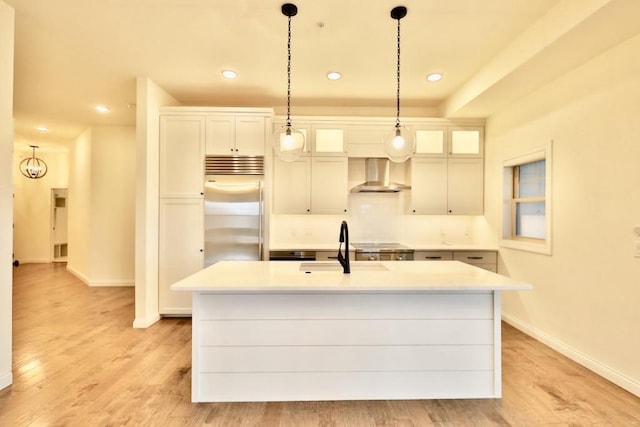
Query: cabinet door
(366, 140)
(220, 135)
(466, 142)
(181, 156)
(329, 140)
(180, 254)
(329, 185)
(431, 143)
(292, 186)
(433, 255)
(429, 186)
(466, 186)
(250, 135)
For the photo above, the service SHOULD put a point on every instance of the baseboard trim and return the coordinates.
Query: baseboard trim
(79, 275)
(599, 368)
(115, 283)
(145, 323)
(6, 380)
(33, 261)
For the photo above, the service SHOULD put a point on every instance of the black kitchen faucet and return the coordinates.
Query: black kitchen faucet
(344, 238)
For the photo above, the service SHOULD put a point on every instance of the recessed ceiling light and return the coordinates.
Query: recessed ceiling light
(434, 77)
(229, 74)
(42, 129)
(334, 75)
(102, 109)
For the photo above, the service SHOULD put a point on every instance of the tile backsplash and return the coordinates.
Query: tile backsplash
(379, 217)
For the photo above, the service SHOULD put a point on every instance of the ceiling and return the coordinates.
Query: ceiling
(71, 55)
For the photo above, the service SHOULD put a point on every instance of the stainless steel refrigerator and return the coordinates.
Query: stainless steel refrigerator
(233, 215)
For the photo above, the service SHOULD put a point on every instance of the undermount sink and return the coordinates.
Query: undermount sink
(309, 267)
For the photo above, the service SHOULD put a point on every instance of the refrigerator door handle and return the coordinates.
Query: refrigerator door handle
(260, 219)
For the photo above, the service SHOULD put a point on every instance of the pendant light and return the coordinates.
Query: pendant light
(399, 143)
(33, 167)
(288, 142)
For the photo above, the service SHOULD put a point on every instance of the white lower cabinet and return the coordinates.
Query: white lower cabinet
(483, 259)
(487, 260)
(317, 185)
(180, 254)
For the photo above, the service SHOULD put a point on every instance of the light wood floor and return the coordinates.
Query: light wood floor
(78, 362)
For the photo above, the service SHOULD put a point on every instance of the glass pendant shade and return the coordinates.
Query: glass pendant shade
(399, 144)
(288, 143)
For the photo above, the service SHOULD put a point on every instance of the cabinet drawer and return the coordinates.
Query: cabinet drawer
(476, 257)
(433, 256)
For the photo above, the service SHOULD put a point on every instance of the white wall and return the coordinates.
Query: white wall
(112, 205)
(32, 203)
(587, 293)
(79, 207)
(149, 98)
(102, 206)
(6, 189)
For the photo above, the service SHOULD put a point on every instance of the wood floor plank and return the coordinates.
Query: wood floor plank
(77, 362)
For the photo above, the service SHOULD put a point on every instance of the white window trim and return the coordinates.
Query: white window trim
(539, 153)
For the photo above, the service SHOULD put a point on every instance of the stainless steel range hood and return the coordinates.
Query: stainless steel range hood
(377, 178)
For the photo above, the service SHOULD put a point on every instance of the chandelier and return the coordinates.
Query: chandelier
(33, 167)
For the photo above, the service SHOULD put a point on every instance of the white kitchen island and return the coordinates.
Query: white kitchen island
(289, 331)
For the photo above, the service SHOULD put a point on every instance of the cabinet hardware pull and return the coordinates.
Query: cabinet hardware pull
(433, 257)
(475, 257)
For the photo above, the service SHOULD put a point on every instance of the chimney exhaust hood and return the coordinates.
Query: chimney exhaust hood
(377, 178)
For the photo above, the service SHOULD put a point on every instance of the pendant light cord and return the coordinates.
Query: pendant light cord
(289, 73)
(398, 80)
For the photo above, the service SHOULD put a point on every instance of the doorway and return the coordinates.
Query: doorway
(59, 245)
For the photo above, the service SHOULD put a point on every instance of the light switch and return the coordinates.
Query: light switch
(637, 251)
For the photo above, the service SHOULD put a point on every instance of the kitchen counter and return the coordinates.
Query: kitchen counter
(283, 331)
(366, 276)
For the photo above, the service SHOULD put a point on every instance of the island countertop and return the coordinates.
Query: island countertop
(327, 276)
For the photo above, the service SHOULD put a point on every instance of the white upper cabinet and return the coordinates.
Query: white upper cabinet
(451, 141)
(181, 156)
(366, 140)
(329, 185)
(235, 135)
(311, 185)
(441, 186)
(328, 140)
(466, 142)
(465, 186)
(321, 139)
(428, 177)
(292, 186)
(431, 142)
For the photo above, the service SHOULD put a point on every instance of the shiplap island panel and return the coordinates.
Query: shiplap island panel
(283, 331)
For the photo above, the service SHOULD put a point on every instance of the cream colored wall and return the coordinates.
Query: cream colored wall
(102, 206)
(149, 98)
(79, 210)
(32, 203)
(587, 293)
(7, 20)
(112, 205)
